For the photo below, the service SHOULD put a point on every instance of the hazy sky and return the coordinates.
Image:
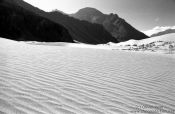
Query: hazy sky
(142, 14)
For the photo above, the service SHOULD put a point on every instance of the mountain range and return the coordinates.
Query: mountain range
(168, 31)
(160, 30)
(22, 21)
(83, 31)
(115, 25)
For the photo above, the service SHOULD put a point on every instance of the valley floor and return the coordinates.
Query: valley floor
(43, 79)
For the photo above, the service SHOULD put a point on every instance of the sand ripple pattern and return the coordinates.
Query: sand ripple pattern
(36, 79)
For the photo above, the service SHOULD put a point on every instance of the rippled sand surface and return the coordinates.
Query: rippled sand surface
(41, 79)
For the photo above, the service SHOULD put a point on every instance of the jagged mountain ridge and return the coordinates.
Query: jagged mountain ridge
(117, 26)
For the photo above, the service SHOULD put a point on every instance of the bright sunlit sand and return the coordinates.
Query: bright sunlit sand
(45, 79)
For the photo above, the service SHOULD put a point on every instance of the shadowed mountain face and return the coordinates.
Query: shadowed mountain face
(164, 32)
(118, 27)
(18, 23)
(81, 31)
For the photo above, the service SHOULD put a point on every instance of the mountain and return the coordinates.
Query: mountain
(160, 30)
(117, 26)
(18, 23)
(168, 31)
(165, 38)
(81, 31)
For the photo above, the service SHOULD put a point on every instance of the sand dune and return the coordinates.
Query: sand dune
(41, 79)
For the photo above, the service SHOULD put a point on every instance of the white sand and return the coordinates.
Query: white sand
(40, 79)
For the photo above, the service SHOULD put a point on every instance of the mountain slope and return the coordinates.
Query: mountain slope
(18, 23)
(81, 31)
(118, 27)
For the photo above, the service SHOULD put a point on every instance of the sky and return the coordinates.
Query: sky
(142, 14)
